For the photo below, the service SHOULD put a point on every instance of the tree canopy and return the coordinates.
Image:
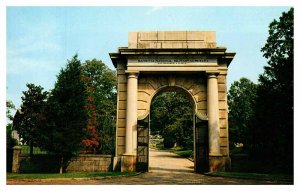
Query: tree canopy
(241, 102)
(172, 117)
(66, 114)
(100, 85)
(274, 106)
(262, 115)
(27, 120)
(10, 141)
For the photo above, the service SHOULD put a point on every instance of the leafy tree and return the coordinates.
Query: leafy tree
(241, 101)
(27, 119)
(100, 86)
(66, 114)
(274, 109)
(172, 117)
(10, 141)
(9, 106)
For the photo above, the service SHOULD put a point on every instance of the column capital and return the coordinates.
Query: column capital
(212, 74)
(132, 74)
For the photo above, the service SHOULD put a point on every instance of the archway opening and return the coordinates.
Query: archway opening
(171, 137)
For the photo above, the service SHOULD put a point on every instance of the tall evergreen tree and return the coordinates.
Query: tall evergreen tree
(66, 113)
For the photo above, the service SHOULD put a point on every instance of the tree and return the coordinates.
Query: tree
(9, 106)
(66, 114)
(274, 109)
(10, 141)
(172, 117)
(100, 86)
(27, 119)
(241, 101)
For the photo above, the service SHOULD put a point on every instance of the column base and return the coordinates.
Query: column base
(128, 163)
(217, 163)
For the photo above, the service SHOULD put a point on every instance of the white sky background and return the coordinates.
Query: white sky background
(39, 41)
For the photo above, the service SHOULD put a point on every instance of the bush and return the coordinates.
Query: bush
(40, 164)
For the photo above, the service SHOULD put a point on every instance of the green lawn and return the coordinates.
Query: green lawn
(25, 149)
(183, 153)
(68, 175)
(258, 176)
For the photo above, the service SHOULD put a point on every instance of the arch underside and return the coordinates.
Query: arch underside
(192, 85)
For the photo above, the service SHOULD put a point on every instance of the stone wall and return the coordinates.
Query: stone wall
(23, 163)
(91, 163)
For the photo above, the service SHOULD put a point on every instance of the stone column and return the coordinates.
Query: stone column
(129, 157)
(131, 111)
(213, 114)
(216, 160)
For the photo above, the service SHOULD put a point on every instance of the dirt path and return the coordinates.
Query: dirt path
(165, 168)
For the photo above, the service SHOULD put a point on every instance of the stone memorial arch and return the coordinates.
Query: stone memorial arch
(185, 61)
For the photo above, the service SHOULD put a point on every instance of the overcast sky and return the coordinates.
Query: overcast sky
(41, 39)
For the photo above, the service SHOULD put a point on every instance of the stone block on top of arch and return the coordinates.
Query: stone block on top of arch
(202, 105)
(186, 83)
(142, 105)
(153, 82)
(142, 112)
(202, 111)
(162, 81)
(143, 96)
(147, 88)
(142, 80)
(201, 96)
(197, 88)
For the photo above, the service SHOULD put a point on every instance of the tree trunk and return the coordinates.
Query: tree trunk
(31, 148)
(61, 165)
